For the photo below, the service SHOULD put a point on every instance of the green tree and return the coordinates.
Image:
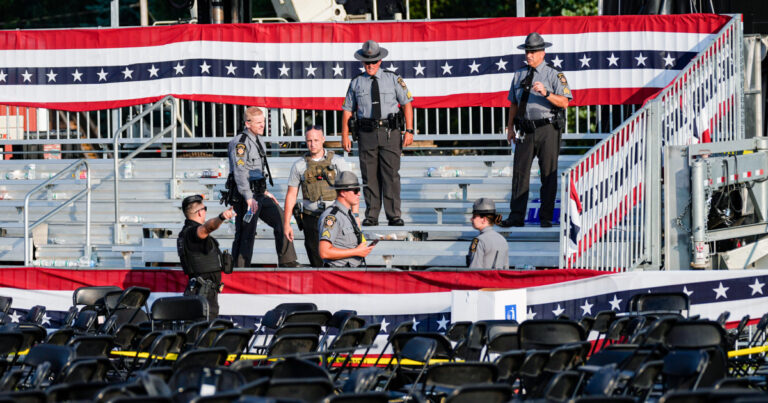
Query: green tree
(495, 8)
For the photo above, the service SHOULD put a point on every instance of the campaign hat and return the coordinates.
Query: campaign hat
(534, 41)
(371, 52)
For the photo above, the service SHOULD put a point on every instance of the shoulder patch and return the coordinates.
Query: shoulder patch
(561, 76)
(240, 149)
(330, 221)
(326, 234)
(473, 246)
(401, 82)
(240, 161)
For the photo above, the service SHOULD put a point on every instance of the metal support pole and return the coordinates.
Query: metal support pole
(114, 13)
(429, 11)
(407, 9)
(375, 10)
(143, 13)
(521, 8)
(652, 183)
(699, 215)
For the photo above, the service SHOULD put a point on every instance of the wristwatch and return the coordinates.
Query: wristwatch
(221, 217)
(547, 94)
(409, 131)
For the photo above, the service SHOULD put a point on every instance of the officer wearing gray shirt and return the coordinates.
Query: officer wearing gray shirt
(538, 95)
(373, 97)
(489, 250)
(315, 173)
(248, 165)
(341, 240)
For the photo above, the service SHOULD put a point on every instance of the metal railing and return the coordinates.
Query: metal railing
(618, 182)
(205, 125)
(118, 163)
(85, 192)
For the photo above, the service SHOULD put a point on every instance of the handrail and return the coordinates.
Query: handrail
(76, 197)
(116, 147)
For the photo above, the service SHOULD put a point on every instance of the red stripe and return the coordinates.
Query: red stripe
(416, 31)
(293, 282)
(600, 96)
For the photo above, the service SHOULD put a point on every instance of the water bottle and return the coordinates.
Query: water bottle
(458, 195)
(248, 215)
(128, 170)
(31, 171)
(222, 167)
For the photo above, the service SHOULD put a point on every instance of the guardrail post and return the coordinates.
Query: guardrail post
(652, 184)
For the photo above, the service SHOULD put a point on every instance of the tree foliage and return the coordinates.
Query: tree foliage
(496, 8)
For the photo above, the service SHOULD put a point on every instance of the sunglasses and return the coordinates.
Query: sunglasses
(355, 190)
(370, 63)
(205, 208)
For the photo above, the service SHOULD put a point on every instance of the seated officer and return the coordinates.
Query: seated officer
(341, 240)
(199, 252)
(489, 250)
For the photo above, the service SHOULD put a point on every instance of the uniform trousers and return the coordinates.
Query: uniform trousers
(312, 239)
(544, 144)
(272, 214)
(380, 166)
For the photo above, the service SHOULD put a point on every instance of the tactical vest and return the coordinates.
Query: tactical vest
(318, 178)
(195, 262)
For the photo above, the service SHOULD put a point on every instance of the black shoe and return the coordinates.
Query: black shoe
(370, 223)
(396, 222)
(511, 223)
(546, 224)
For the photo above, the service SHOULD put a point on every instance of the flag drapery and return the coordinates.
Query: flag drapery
(450, 63)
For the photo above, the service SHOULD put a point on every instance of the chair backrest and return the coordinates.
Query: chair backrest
(298, 328)
(548, 334)
(443, 348)
(273, 318)
(5, 304)
(133, 297)
(292, 367)
(458, 330)
(603, 321)
(289, 307)
(93, 296)
(306, 389)
(371, 331)
(661, 301)
(695, 334)
(347, 339)
(480, 393)
(419, 349)
(339, 317)
(293, 344)
(453, 374)
(84, 321)
(57, 356)
(318, 317)
(92, 346)
(11, 341)
(234, 340)
(35, 314)
(183, 309)
(201, 357)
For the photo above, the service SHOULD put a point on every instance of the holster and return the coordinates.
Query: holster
(525, 125)
(558, 120)
(297, 216)
(229, 195)
(201, 286)
(258, 187)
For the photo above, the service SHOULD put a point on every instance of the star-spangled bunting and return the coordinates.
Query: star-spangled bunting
(287, 66)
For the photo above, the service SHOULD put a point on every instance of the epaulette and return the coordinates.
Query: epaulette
(554, 67)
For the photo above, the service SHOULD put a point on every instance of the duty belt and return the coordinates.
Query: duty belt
(538, 122)
(373, 124)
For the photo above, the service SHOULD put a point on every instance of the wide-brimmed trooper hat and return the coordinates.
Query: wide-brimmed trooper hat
(371, 52)
(346, 180)
(484, 205)
(534, 41)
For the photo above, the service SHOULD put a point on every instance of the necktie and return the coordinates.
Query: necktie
(375, 99)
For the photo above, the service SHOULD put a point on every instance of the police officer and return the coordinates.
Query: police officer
(248, 163)
(489, 250)
(374, 96)
(315, 172)
(199, 252)
(341, 240)
(539, 95)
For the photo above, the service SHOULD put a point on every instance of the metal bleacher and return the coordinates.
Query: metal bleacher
(436, 211)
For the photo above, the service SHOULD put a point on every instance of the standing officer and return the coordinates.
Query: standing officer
(199, 252)
(316, 172)
(539, 95)
(250, 169)
(341, 240)
(489, 250)
(374, 97)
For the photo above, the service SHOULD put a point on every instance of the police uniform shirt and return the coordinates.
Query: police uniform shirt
(339, 230)
(193, 243)
(245, 162)
(487, 247)
(539, 107)
(392, 91)
(296, 177)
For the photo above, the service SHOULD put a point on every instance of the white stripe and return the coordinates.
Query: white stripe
(435, 50)
(304, 87)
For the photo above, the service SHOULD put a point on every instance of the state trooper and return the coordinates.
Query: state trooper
(250, 169)
(341, 241)
(315, 172)
(373, 96)
(488, 250)
(199, 253)
(539, 95)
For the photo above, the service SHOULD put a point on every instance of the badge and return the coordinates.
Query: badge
(240, 149)
(473, 246)
(329, 221)
(325, 234)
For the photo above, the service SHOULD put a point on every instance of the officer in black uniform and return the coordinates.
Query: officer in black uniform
(373, 96)
(199, 252)
(250, 171)
(539, 95)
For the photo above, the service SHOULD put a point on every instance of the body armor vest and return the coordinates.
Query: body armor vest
(318, 178)
(195, 263)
